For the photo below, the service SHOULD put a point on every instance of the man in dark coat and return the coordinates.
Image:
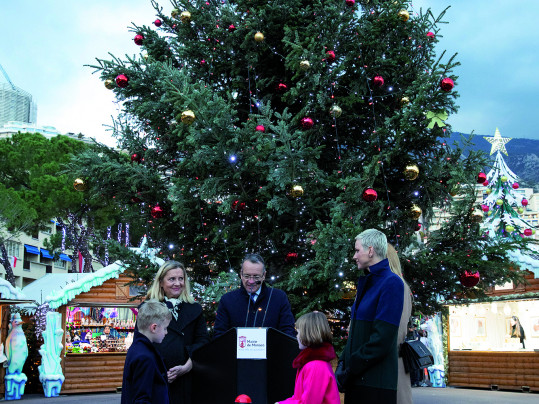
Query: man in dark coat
(254, 304)
(145, 375)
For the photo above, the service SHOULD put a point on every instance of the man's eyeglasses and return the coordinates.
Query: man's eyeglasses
(255, 278)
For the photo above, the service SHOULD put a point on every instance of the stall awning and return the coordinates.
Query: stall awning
(65, 257)
(46, 253)
(30, 249)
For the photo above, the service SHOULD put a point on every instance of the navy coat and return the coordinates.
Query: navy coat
(145, 374)
(272, 309)
(184, 335)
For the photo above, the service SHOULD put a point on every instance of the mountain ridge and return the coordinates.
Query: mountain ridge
(523, 158)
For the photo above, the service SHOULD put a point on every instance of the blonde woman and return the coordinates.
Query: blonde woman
(186, 332)
(404, 386)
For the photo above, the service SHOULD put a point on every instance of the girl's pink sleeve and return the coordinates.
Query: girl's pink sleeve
(316, 379)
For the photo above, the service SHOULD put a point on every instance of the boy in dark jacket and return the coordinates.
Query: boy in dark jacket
(145, 374)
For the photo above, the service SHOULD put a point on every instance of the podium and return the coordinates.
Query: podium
(252, 361)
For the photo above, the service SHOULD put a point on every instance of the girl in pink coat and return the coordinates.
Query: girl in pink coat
(315, 380)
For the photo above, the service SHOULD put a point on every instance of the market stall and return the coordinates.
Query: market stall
(484, 348)
(98, 314)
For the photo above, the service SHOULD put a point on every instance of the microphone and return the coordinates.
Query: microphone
(256, 315)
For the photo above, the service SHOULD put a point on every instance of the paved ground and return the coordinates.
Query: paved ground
(422, 395)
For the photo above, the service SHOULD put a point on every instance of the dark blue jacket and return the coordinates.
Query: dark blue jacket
(145, 374)
(272, 309)
(371, 351)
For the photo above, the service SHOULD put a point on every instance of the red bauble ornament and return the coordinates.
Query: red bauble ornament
(481, 177)
(447, 84)
(122, 81)
(202, 62)
(469, 278)
(282, 87)
(136, 158)
(378, 81)
(307, 123)
(418, 227)
(485, 208)
(291, 257)
(524, 202)
(369, 195)
(486, 183)
(157, 212)
(515, 185)
(157, 22)
(260, 128)
(350, 3)
(237, 205)
(243, 398)
(431, 36)
(136, 199)
(528, 232)
(330, 56)
(231, 28)
(138, 39)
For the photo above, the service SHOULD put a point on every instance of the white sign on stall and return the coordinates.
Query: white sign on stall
(251, 343)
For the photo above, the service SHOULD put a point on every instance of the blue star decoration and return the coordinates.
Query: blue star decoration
(498, 143)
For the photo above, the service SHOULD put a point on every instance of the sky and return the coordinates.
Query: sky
(46, 44)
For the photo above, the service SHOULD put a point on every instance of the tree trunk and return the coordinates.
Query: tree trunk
(4, 260)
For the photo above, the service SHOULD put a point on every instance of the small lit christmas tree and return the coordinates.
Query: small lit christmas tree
(502, 204)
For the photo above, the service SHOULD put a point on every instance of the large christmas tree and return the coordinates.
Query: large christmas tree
(286, 128)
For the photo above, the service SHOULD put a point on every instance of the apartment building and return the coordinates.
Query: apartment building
(31, 261)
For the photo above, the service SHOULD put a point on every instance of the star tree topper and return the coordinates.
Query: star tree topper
(498, 143)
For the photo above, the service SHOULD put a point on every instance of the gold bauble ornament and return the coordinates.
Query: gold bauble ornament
(477, 216)
(510, 228)
(411, 172)
(175, 12)
(304, 65)
(259, 36)
(145, 55)
(296, 191)
(109, 83)
(79, 185)
(335, 111)
(188, 117)
(488, 191)
(185, 16)
(404, 15)
(455, 189)
(349, 290)
(405, 101)
(415, 212)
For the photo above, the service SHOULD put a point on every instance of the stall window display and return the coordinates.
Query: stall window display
(99, 329)
(495, 326)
